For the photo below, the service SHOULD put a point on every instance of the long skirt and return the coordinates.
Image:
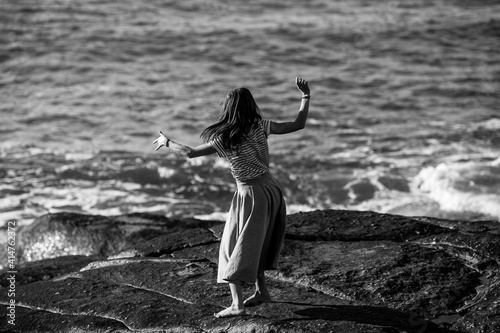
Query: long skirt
(254, 231)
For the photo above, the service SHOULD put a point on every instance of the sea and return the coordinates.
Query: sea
(404, 114)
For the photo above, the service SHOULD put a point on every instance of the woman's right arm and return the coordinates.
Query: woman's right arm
(201, 150)
(299, 122)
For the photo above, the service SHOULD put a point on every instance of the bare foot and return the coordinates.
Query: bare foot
(256, 300)
(231, 311)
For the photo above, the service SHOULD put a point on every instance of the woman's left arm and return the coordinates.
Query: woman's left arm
(201, 150)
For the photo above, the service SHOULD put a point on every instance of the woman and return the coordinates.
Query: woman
(255, 228)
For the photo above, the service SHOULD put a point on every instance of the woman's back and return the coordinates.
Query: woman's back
(251, 159)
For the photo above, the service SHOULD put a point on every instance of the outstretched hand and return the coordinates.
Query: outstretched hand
(302, 85)
(161, 141)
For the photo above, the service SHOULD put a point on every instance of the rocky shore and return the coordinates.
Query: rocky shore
(340, 271)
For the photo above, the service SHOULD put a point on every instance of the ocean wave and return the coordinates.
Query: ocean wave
(490, 124)
(396, 86)
(38, 181)
(463, 187)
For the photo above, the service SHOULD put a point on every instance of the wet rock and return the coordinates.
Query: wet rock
(63, 234)
(33, 320)
(482, 314)
(209, 252)
(340, 271)
(47, 269)
(402, 276)
(395, 183)
(479, 250)
(145, 221)
(169, 243)
(468, 227)
(154, 294)
(173, 277)
(136, 308)
(346, 225)
(361, 190)
(477, 242)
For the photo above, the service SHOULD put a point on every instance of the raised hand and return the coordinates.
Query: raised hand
(302, 85)
(161, 141)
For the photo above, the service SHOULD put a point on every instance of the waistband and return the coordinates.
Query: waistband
(255, 181)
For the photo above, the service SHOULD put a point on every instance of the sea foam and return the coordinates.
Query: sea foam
(463, 187)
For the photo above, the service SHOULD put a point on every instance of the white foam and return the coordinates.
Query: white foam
(491, 124)
(462, 187)
(292, 209)
(78, 156)
(222, 216)
(166, 172)
(215, 216)
(102, 198)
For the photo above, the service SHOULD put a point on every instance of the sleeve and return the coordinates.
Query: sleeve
(266, 125)
(217, 144)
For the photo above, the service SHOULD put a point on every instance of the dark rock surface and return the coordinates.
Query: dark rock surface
(63, 234)
(340, 271)
(344, 225)
(167, 244)
(47, 269)
(482, 314)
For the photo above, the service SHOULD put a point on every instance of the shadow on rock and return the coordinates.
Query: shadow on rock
(370, 315)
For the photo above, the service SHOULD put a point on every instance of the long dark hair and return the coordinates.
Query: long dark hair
(239, 111)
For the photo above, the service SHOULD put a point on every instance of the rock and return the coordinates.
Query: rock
(482, 314)
(169, 243)
(209, 251)
(136, 308)
(63, 234)
(354, 226)
(156, 294)
(478, 249)
(395, 183)
(33, 320)
(402, 276)
(361, 190)
(468, 227)
(340, 271)
(476, 242)
(47, 269)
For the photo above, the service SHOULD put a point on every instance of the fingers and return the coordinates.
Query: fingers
(157, 141)
(300, 81)
(159, 147)
(302, 84)
(161, 135)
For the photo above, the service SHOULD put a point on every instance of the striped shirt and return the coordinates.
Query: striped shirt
(252, 159)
